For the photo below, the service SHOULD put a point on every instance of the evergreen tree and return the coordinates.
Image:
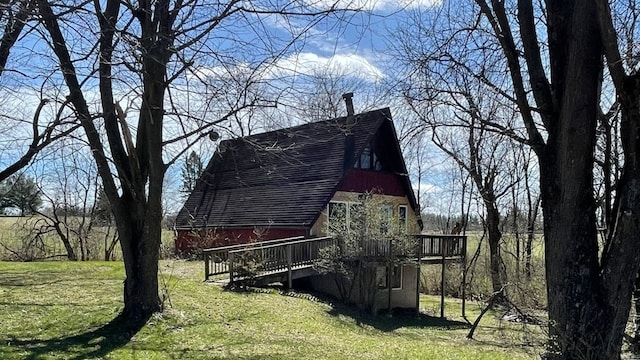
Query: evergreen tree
(20, 192)
(102, 208)
(191, 172)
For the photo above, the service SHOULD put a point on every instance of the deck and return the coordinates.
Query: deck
(293, 256)
(284, 260)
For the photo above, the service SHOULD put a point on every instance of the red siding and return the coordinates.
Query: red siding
(188, 240)
(361, 180)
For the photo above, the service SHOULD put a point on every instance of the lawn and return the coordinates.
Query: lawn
(62, 310)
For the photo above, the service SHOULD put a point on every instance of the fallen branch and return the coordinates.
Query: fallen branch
(498, 295)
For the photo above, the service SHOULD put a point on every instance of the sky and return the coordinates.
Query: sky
(355, 46)
(352, 45)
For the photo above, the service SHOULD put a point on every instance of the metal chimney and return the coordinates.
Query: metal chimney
(349, 141)
(348, 100)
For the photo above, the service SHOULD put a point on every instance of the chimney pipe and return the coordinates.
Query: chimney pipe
(348, 100)
(349, 141)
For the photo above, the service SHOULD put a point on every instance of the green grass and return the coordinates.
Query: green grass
(62, 310)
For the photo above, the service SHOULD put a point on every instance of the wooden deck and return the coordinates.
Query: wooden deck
(287, 255)
(285, 260)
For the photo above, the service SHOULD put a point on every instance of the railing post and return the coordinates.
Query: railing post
(231, 258)
(464, 274)
(443, 279)
(390, 268)
(420, 242)
(206, 265)
(289, 270)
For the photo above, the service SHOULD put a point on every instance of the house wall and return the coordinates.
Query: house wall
(188, 240)
(319, 228)
(364, 180)
(404, 297)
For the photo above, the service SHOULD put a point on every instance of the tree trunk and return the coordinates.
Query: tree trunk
(493, 231)
(531, 227)
(580, 323)
(621, 256)
(140, 241)
(140, 231)
(636, 318)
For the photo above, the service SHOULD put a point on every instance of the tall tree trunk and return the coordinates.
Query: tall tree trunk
(636, 318)
(580, 326)
(495, 236)
(621, 256)
(140, 242)
(531, 227)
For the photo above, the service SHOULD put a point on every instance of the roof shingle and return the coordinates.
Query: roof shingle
(278, 178)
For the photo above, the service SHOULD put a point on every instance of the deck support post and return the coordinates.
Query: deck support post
(389, 277)
(464, 275)
(205, 254)
(419, 245)
(231, 258)
(289, 270)
(442, 285)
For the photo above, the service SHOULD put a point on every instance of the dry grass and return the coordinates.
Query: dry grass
(19, 240)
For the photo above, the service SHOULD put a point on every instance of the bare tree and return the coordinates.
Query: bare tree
(456, 113)
(15, 15)
(142, 60)
(69, 183)
(546, 59)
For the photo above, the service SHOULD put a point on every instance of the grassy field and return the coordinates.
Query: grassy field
(62, 310)
(32, 238)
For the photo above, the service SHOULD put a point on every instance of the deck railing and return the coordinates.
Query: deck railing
(216, 260)
(442, 245)
(286, 254)
(276, 257)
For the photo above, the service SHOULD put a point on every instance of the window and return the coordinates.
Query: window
(386, 213)
(343, 216)
(396, 277)
(368, 160)
(377, 165)
(402, 219)
(337, 217)
(365, 158)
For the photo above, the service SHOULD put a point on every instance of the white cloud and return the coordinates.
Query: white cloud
(371, 5)
(304, 64)
(311, 64)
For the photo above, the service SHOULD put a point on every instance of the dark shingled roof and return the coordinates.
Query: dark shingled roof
(280, 178)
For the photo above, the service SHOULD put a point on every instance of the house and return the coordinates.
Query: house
(285, 183)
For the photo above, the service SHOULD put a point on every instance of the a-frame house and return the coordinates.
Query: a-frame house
(283, 183)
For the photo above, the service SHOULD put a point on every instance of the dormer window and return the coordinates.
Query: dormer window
(368, 160)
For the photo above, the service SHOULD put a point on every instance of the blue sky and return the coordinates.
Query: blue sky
(352, 44)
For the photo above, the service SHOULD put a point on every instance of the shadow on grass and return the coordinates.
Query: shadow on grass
(397, 319)
(92, 344)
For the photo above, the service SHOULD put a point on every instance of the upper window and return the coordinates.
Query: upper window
(386, 213)
(402, 219)
(368, 160)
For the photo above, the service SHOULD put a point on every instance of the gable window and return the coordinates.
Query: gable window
(383, 278)
(365, 159)
(368, 160)
(402, 219)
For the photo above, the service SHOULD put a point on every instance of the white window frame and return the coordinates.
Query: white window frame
(403, 227)
(348, 205)
(387, 221)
